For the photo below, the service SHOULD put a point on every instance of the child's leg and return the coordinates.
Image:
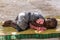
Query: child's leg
(23, 21)
(14, 25)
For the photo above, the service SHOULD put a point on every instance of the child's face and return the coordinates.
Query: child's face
(40, 21)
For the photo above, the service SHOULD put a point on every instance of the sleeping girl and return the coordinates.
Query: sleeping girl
(33, 20)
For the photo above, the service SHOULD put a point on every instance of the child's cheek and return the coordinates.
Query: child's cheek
(40, 21)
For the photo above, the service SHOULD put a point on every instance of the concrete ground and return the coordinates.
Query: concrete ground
(9, 9)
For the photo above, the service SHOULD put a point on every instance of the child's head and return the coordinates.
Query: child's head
(51, 23)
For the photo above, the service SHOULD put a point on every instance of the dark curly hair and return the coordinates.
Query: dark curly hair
(51, 23)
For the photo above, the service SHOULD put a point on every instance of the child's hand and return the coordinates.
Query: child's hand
(37, 28)
(41, 29)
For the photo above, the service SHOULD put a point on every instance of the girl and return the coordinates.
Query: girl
(33, 20)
